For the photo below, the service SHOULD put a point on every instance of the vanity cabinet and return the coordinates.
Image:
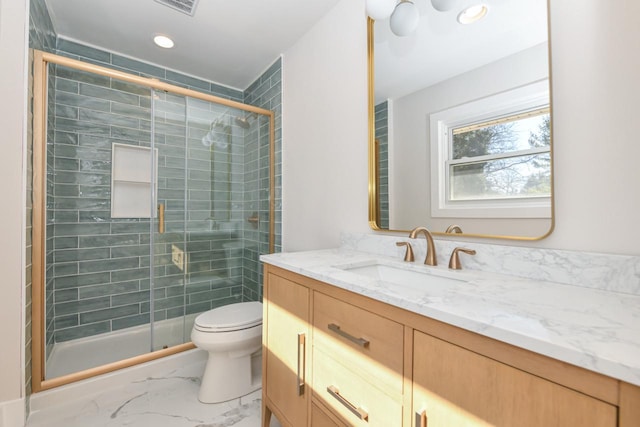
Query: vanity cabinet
(357, 363)
(453, 386)
(285, 352)
(367, 363)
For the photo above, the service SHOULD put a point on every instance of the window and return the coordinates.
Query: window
(492, 157)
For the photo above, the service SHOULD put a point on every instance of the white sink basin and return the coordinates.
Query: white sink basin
(421, 280)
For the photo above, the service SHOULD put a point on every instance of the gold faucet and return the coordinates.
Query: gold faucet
(454, 261)
(453, 228)
(408, 255)
(430, 258)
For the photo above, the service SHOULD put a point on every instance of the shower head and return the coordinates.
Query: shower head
(244, 122)
(218, 134)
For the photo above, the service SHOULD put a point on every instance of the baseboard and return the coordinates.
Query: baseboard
(12, 413)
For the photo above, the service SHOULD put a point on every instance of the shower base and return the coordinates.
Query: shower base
(85, 353)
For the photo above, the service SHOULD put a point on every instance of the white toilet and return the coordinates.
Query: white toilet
(232, 334)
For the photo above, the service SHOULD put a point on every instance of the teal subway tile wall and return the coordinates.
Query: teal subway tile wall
(382, 136)
(42, 36)
(265, 92)
(100, 271)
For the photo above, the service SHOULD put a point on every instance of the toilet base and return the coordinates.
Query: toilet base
(227, 378)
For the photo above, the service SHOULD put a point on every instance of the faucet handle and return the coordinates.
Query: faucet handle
(408, 255)
(454, 261)
(453, 228)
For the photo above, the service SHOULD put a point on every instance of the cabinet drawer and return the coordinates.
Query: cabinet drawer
(367, 343)
(319, 418)
(355, 400)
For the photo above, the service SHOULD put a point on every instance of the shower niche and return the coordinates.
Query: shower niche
(131, 189)
(152, 204)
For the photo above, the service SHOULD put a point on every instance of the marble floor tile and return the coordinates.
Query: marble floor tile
(166, 400)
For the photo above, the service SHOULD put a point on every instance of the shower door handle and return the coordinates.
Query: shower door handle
(254, 220)
(161, 218)
(302, 358)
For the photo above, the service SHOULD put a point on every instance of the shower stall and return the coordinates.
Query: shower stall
(152, 203)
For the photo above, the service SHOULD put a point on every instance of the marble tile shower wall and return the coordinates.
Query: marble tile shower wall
(86, 303)
(265, 92)
(382, 135)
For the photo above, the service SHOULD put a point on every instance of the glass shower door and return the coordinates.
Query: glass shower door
(214, 207)
(168, 231)
(198, 257)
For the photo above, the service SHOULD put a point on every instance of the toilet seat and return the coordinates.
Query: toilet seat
(232, 317)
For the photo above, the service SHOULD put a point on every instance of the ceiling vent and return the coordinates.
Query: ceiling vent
(185, 6)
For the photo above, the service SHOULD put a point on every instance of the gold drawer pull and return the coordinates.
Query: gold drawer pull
(421, 419)
(302, 358)
(358, 412)
(359, 341)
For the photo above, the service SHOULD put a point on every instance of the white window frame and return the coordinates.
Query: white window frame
(525, 98)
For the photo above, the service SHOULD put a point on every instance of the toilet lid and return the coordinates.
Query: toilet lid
(231, 317)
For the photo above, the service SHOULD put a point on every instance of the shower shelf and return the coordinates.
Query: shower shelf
(130, 183)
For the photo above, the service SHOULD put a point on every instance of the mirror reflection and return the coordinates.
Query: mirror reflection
(462, 120)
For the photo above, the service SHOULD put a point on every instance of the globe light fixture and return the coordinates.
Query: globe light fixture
(443, 5)
(404, 19)
(380, 9)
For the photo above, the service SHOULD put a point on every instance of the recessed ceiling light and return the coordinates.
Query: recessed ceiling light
(163, 41)
(473, 14)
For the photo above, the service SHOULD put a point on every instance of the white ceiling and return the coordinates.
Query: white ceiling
(441, 48)
(232, 42)
(229, 42)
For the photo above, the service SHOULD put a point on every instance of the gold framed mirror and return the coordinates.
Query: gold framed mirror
(460, 123)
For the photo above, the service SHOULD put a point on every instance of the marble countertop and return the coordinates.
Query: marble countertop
(595, 329)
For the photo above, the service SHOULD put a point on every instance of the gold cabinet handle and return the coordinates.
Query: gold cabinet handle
(421, 419)
(358, 412)
(301, 363)
(359, 341)
(161, 218)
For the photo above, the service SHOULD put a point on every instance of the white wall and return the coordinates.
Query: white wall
(13, 42)
(595, 69)
(324, 131)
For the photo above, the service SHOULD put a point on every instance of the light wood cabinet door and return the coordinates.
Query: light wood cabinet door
(453, 386)
(287, 348)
